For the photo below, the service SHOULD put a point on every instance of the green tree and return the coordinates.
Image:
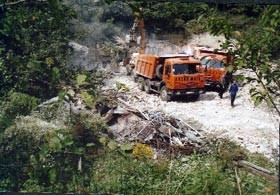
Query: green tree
(33, 45)
(158, 16)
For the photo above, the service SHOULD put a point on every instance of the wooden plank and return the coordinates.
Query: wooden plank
(246, 163)
(256, 170)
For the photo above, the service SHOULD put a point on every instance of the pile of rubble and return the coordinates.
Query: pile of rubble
(130, 124)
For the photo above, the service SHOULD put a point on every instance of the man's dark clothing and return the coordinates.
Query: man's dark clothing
(233, 91)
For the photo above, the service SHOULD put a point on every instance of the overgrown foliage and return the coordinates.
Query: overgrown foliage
(78, 158)
(63, 164)
(195, 174)
(41, 156)
(33, 45)
(19, 104)
(18, 143)
(158, 16)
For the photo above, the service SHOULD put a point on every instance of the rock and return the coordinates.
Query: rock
(166, 130)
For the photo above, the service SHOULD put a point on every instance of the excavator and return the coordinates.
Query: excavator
(136, 44)
(133, 39)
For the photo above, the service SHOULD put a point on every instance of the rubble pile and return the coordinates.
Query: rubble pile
(130, 123)
(154, 128)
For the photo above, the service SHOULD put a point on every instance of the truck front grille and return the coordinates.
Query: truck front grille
(187, 78)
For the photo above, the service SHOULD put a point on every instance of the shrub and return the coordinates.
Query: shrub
(20, 104)
(5, 122)
(17, 144)
(34, 46)
(64, 162)
(142, 151)
(16, 104)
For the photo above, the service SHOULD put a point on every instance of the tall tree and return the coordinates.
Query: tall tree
(33, 44)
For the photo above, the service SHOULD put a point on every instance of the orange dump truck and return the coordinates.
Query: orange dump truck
(169, 75)
(214, 65)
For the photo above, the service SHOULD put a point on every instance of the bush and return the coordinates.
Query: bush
(41, 156)
(63, 162)
(5, 122)
(17, 104)
(17, 144)
(20, 104)
(196, 174)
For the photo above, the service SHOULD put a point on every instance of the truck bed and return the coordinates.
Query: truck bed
(146, 65)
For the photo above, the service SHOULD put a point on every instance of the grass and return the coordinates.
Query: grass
(195, 174)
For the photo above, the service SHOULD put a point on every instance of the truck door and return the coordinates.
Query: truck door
(167, 75)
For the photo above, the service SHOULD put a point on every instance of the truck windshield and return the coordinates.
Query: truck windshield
(184, 69)
(211, 63)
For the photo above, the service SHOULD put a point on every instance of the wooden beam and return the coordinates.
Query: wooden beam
(256, 170)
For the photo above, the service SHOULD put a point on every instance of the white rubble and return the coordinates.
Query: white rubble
(78, 47)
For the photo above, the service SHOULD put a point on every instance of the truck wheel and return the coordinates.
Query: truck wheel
(133, 75)
(147, 86)
(128, 69)
(195, 96)
(159, 71)
(141, 84)
(164, 96)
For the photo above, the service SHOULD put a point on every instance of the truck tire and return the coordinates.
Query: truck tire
(147, 86)
(128, 69)
(164, 96)
(133, 75)
(159, 71)
(141, 84)
(196, 96)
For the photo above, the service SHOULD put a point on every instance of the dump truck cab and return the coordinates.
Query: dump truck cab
(181, 73)
(214, 65)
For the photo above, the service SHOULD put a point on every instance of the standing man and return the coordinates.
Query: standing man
(233, 91)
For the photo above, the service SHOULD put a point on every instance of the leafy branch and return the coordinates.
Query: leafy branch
(17, 2)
